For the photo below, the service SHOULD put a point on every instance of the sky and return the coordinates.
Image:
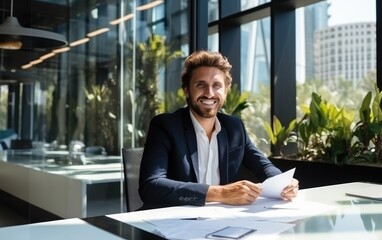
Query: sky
(348, 11)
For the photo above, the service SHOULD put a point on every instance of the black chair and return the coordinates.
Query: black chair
(131, 158)
(21, 144)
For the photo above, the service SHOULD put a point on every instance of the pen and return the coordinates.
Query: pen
(194, 218)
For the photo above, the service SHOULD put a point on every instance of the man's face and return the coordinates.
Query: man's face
(206, 91)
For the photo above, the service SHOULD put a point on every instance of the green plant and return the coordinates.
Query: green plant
(151, 56)
(172, 101)
(101, 110)
(332, 134)
(279, 136)
(236, 101)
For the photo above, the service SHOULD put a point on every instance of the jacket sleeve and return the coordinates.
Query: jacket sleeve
(167, 177)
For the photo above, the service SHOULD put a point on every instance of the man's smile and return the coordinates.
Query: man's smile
(208, 101)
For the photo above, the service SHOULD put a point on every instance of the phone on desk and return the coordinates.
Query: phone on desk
(230, 233)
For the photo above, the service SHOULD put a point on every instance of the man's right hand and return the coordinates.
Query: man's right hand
(237, 193)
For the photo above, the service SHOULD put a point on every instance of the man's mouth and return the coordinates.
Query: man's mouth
(208, 101)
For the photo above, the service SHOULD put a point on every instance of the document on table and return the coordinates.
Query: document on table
(273, 186)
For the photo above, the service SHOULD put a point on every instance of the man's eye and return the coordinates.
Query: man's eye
(217, 86)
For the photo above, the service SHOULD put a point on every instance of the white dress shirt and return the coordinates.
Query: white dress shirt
(208, 155)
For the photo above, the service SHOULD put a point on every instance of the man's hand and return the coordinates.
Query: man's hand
(291, 190)
(237, 193)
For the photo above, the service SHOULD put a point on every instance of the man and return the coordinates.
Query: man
(193, 156)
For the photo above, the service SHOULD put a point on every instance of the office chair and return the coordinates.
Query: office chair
(21, 144)
(131, 158)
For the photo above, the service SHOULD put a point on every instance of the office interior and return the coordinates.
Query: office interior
(73, 95)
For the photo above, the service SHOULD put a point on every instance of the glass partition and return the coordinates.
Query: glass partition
(88, 100)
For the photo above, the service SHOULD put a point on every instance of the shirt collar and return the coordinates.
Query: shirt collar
(199, 128)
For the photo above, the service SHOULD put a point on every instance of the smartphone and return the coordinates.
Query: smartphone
(231, 232)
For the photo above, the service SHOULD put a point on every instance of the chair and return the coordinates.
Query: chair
(131, 158)
(21, 144)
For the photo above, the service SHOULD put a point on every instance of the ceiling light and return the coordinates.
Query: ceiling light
(97, 32)
(11, 44)
(122, 19)
(29, 65)
(78, 42)
(48, 55)
(13, 36)
(149, 5)
(37, 61)
(61, 50)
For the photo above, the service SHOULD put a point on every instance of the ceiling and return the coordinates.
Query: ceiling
(45, 15)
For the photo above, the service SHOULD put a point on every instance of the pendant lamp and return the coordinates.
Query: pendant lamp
(14, 37)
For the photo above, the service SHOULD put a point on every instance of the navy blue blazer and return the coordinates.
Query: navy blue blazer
(169, 167)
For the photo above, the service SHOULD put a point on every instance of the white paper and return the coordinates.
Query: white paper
(269, 216)
(278, 210)
(273, 186)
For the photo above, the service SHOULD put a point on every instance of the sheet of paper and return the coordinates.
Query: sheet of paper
(273, 187)
(278, 210)
(269, 216)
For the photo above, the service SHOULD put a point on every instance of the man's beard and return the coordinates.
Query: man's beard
(206, 113)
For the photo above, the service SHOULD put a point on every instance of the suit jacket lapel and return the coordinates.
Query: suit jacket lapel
(189, 132)
(223, 155)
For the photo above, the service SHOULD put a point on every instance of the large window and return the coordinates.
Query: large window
(255, 78)
(336, 51)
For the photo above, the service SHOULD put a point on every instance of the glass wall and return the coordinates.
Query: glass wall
(83, 91)
(90, 99)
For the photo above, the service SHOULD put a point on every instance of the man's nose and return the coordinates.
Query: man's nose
(209, 91)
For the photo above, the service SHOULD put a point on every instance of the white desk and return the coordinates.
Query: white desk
(338, 216)
(67, 191)
(346, 218)
(73, 229)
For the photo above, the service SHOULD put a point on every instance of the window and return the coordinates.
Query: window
(330, 17)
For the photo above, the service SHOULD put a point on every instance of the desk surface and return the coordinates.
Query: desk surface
(48, 181)
(329, 214)
(89, 168)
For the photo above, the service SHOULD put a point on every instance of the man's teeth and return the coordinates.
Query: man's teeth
(209, 102)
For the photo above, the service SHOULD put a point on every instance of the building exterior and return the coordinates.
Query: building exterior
(345, 52)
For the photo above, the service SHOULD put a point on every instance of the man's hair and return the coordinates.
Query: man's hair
(203, 58)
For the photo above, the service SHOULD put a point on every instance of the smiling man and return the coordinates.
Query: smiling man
(193, 155)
